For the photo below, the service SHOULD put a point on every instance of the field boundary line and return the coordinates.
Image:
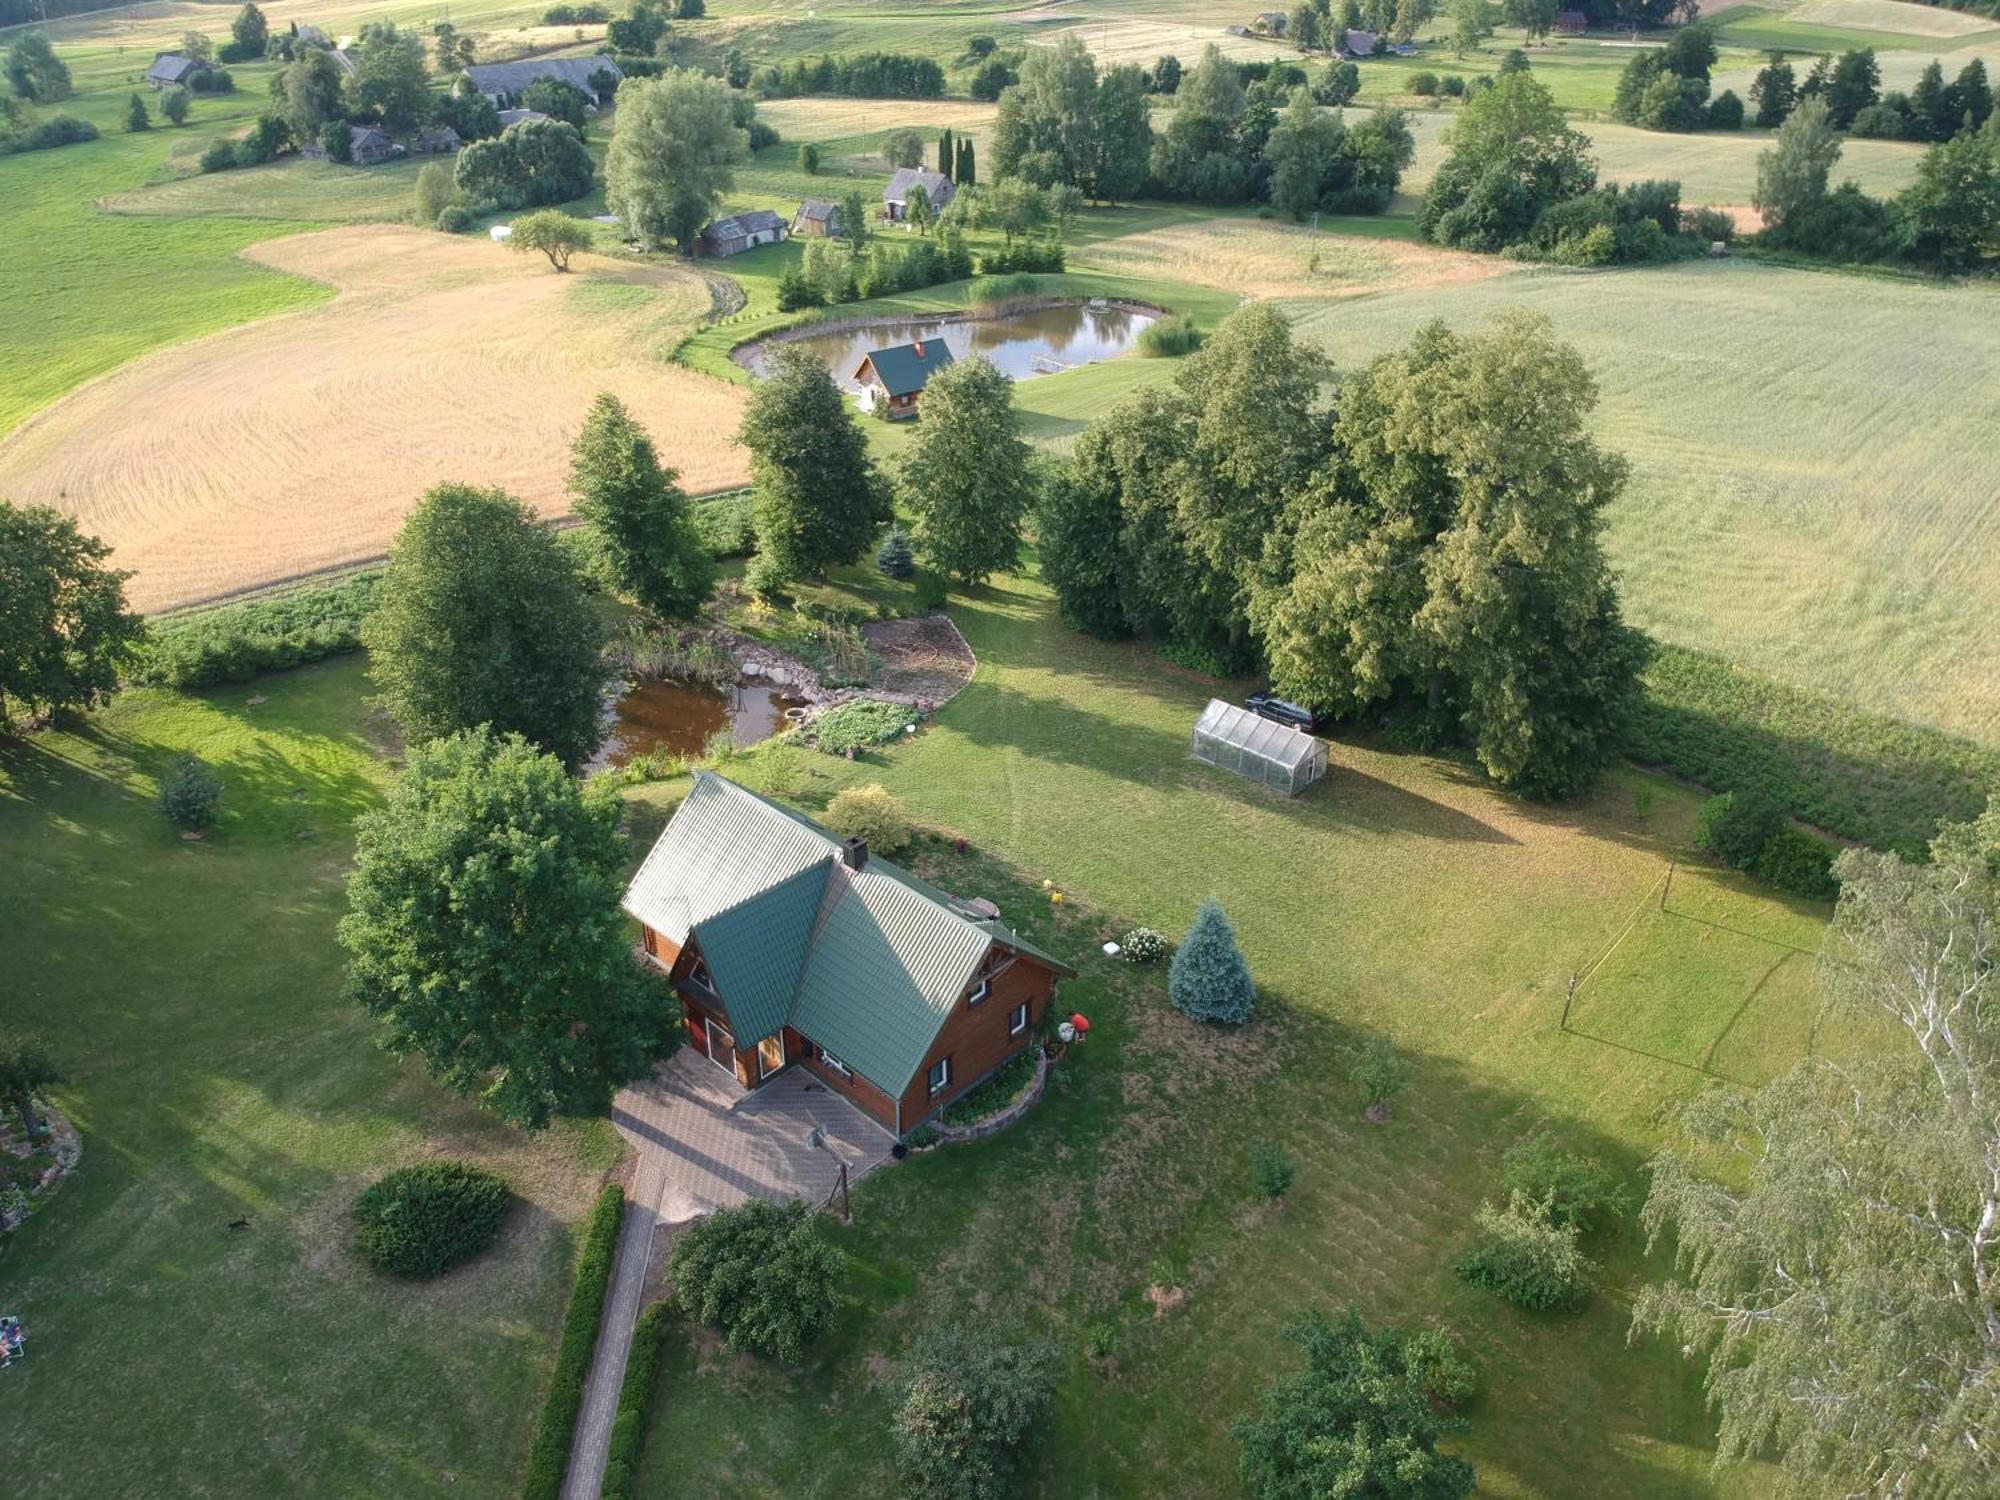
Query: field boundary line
(1576, 980)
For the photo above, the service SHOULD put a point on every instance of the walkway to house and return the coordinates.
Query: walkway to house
(703, 1143)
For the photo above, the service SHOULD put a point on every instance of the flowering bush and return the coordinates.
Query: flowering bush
(1142, 945)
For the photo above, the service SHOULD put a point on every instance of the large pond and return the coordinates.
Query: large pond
(679, 718)
(1022, 343)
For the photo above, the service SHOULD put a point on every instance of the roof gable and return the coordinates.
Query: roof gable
(510, 77)
(756, 949)
(937, 187)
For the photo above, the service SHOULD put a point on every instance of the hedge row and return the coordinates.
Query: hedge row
(1863, 776)
(556, 1429)
(237, 641)
(635, 1397)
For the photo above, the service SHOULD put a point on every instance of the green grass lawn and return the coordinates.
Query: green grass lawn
(217, 1074)
(1402, 896)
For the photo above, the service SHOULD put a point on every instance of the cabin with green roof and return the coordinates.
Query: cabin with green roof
(894, 379)
(791, 947)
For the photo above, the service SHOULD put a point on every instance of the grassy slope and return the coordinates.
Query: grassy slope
(1400, 895)
(194, 993)
(1834, 533)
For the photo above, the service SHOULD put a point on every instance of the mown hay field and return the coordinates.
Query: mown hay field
(1812, 464)
(295, 190)
(299, 443)
(1129, 39)
(838, 119)
(1894, 16)
(1257, 258)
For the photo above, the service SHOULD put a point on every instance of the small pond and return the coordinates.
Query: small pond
(679, 717)
(1022, 343)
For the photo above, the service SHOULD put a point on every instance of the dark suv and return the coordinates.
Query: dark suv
(1271, 706)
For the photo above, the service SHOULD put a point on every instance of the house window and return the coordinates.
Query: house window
(979, 991)
(836, 1064)
(940, 1075)
(698, 974)
(1017, 1022)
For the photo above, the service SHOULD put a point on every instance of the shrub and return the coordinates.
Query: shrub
(1027, 254)
(809, 159)
(1572, 1188)
(1168, 338)
(1142, 945)
(1424, 84)
(190, 793)
(556, 1426)
(1439, 1367)
(969, 1406)
(454, 218)
(174, 104)
(62, 130)
(237, 641)
(871, 813)
(1734, 826)
(1209, 980)
(759, 1274)
(1378, 1072)
(860, 724)
(1796, 861)
(635, 1400)
(767, 577)
(1725, 111)
(929, 594)
(1272, 1171)
(725, 525)
(220, 156)
(1452, 86)
(1708, 225)
(421, 1220)
(1006, 1085)
(895, 557)
(997, 291)
(1525, 1258)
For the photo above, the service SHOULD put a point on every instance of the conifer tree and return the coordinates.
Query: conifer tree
(1209, 979)
(894, 557)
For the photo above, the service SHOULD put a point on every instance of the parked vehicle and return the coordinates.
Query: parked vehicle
(1279, 710)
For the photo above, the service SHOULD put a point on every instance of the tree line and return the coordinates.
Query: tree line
(1426, 549)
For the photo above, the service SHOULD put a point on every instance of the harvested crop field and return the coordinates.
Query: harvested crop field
(1277, 260)
(1128, 39)
(1894, 16)
(840, 119)
(300, 442)
(295, 190)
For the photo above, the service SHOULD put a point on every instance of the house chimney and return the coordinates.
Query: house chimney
(919, 347)
(854, 853)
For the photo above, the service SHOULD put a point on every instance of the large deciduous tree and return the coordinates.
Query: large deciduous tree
(818, 497)
(1357, 1420)
(552, 233)
(966, 479)
(969, 1405)
(641, 529)
(308, 94)
(483, 928)
(673, 155)
(392, 78)
(1512, 153)
(761, 1275)
(531, 163)
(1843, 1280)
(33, 68)
(1456, 558)
(1949, 217)
(483, 620)
(251, 33)
(1793, 173)
(64, 629)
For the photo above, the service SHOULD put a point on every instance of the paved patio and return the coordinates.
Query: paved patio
(704, 1142)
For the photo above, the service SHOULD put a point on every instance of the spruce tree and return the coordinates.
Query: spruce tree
(642, 533)
(1209, 979)
(136, 117)
(818, 495)
(894, 557)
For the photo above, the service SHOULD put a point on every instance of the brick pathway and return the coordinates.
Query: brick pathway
(703, 1143)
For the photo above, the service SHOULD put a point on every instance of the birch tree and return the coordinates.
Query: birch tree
(1846, 1292)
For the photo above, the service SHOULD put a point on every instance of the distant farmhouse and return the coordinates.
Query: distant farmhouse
(1572, 22)
(896, 196)
(791, 948)
(1361, 43)
(817, 217)
(368, 146)
(895, 378)
(740, 232)
(171, 70)
(1269, 23)
(435, 140)
(504, 83)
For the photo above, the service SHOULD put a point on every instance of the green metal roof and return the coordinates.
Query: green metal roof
(755, 949)
(868, 963)
(906, 367)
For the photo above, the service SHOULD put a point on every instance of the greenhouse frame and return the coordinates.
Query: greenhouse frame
(1263, 750)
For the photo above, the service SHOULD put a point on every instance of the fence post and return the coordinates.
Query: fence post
(1564, 1026)
(1667, 886)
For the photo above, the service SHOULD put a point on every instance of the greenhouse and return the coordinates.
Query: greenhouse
(1235, 739)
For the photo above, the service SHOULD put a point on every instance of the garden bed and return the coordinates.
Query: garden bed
(1000, 1101)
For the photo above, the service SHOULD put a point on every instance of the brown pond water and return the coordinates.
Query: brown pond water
(1023, 344)
(679, 717)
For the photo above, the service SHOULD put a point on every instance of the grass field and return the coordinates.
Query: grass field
(292, 191)
(1894, 16)
(1837, 533)
(1400, 895)
(296, 444)
(217, 1074)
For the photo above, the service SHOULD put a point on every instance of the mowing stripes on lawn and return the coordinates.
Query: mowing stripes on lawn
(635, 1400)
(557, 1427)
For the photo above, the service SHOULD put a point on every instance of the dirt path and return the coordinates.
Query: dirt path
(300, 442)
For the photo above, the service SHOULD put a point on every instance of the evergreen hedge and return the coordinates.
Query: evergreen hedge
(635, 1398)
(555, 1430)
(420, 1221)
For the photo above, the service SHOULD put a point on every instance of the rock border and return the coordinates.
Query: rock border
(1000, 1119)
(68, 1148)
